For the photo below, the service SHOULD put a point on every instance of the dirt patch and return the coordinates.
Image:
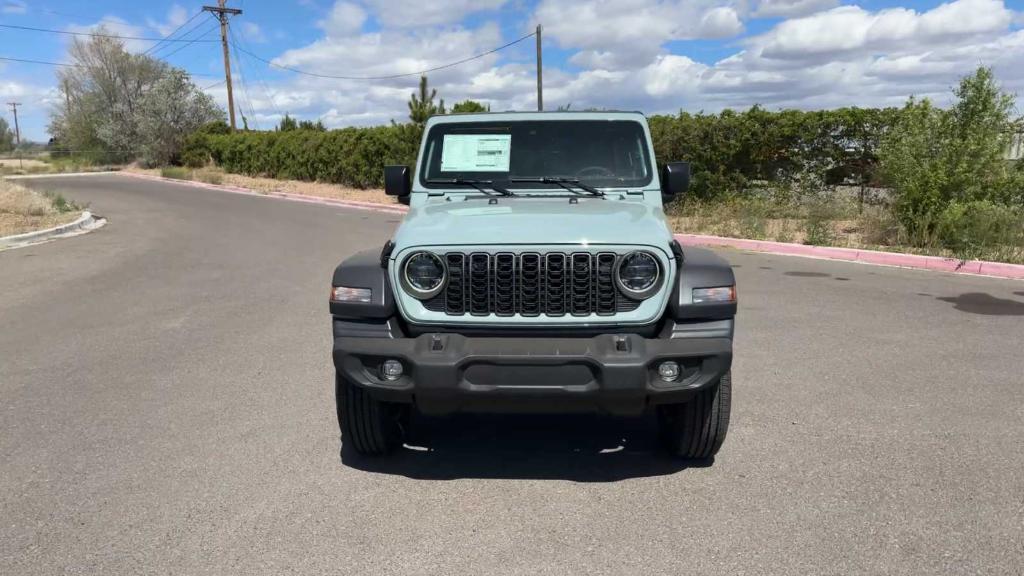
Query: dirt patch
(27, 163)
(24, 210)
(318, 189)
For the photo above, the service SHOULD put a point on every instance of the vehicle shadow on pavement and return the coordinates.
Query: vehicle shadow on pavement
(985, 304)
(580, 448)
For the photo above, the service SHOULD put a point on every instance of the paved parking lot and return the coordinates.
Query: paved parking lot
(167, 407)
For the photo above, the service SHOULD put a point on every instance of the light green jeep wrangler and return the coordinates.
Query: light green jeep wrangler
(534, 272)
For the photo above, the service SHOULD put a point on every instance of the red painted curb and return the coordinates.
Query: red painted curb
(937, 263)
(916, 261)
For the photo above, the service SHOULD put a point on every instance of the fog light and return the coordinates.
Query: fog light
(391, 370)
(668, 371)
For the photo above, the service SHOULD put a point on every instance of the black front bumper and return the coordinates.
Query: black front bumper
(448, 372)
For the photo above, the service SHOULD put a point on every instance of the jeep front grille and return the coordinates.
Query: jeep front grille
(531, 284)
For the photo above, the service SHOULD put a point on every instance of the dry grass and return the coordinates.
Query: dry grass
(27, 163)
(266, 185)
(24, 210)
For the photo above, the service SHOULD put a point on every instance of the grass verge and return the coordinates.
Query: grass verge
(26, 210)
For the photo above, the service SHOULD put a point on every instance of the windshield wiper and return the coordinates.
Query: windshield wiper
(478, 184)
(566, 183)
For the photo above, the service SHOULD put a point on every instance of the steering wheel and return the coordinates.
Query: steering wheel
(595, 171)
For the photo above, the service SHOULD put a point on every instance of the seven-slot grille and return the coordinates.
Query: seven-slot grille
(530, 284)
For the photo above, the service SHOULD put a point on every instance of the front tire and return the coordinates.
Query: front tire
(697, 428)
(369, 426)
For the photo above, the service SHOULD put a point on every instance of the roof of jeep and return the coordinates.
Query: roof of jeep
(534, 115)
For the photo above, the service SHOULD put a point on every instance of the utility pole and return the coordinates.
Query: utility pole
(222, 13)
(540, 74)
(17, 131)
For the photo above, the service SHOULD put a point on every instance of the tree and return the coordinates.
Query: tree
(102, 100)
(470, 106)
(945, 166)
(169, 111)
(6, 137)
(422, 107)
(287, 124)
(317, 126)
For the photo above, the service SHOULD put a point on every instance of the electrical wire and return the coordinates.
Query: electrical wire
(259, 77)
(186, 45)
(69, 65)
(390, 76)
(175, 31)
(245, 90)
(93, 34)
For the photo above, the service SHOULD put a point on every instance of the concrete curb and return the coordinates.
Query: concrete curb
(875, 257)
(396, 209)
(84, 223)
(896, 259)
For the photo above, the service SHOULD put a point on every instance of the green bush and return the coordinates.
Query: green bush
(945, 166)
(974, 228)
(350, 156)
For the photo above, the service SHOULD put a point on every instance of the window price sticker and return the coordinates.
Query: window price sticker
(476, 152)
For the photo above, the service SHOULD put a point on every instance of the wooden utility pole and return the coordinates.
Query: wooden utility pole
(222, 13)
(17, 131)
(540, 74)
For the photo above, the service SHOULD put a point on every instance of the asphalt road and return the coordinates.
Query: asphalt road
(167, 407)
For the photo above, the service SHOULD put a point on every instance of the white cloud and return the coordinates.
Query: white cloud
(344, 19)
(419, 13)
(630, 33)
(117, 27)
(252, 32)
(176, 16)
(851, 30)
(791, 8)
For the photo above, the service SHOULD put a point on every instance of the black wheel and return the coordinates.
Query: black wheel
(368, 425)
(697, 428)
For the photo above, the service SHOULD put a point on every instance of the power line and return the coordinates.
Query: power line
(69, 65)
(175, 31)
(186, 45)
(95, 34)
(241, 80)
(390, 76)
(184, 36)
(259, 77)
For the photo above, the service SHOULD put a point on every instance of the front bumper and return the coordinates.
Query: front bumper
(448, 372)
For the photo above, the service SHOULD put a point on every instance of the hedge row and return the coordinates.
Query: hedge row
(729, 151)
(350, 156)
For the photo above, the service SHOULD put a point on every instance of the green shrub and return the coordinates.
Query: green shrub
(60, 203)
(176, 172)
(350, 156)
(974, 228)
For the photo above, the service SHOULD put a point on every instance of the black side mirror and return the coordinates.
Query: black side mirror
(675, 179)
(398, 182)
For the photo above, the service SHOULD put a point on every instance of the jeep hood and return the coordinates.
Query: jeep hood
(534, 220)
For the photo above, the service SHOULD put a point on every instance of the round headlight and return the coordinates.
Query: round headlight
(423, 275)
(638, 274)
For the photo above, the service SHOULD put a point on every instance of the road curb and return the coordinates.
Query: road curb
(874, 257)
(84, 223)
(372, 206)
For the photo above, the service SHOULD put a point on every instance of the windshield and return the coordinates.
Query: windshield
(599, 153)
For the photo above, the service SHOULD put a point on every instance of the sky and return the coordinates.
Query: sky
(658, 56)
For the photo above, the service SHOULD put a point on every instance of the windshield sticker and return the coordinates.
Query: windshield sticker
(476, 152)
